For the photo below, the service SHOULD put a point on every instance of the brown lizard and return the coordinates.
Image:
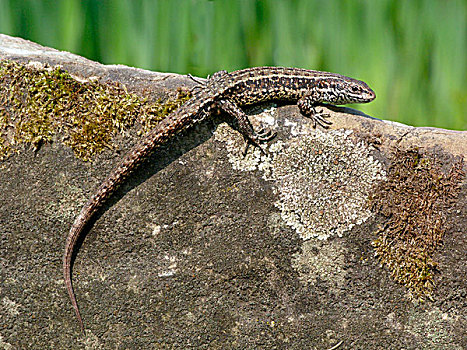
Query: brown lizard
(226, 92)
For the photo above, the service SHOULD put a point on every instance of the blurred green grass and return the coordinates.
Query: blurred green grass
(412, 53)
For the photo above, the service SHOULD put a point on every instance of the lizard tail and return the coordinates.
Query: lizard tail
(91, 207)
(178, 120)
(115, 179)
(67, 257)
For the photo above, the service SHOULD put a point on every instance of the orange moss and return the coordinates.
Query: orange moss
(414, 200)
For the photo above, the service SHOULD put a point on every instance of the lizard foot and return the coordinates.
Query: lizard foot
(320, 119)
(308, 109)
(261, 136)
(264, 135)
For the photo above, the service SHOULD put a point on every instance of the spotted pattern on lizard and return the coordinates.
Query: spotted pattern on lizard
(227, 92)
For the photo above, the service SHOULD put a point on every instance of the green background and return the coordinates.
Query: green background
(412, 53)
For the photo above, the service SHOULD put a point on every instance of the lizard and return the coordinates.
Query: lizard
(225, 92)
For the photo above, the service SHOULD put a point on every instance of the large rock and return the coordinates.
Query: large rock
(204, 247)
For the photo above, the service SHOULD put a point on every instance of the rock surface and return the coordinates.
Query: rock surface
(205, 248)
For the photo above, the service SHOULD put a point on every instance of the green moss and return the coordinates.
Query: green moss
(414, 200)
(155, 112)
(41, 103)
(5, 149)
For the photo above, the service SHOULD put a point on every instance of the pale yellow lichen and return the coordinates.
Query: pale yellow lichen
(322, 178)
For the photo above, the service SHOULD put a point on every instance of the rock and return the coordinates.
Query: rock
(333, 235)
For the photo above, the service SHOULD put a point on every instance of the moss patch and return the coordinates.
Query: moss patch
(415, 200)
(38, 103)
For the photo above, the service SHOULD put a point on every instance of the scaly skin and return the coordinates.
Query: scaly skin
(227, 92)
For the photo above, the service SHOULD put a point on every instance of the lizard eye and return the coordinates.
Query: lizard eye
(355, 89)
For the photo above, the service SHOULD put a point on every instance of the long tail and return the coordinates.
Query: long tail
(76, 229)
(135, 157)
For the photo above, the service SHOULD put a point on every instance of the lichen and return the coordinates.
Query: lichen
(41, 102)
(414, 200)
(434, 326)
(322, 179)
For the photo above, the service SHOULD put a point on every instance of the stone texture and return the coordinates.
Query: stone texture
(204, 248)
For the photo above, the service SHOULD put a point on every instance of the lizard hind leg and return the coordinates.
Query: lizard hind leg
(201, 84)
(245, 128)
(308, 109)
(197, 80)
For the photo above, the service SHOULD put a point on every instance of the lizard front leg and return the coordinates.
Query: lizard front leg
(307, 105)
(244, 125)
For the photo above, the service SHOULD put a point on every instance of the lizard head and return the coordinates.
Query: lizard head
(344, 90)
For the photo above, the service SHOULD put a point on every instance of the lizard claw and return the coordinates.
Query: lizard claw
(319, 118)
(261, 136)
(308, 109)
(264, 135)
(249, 143)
